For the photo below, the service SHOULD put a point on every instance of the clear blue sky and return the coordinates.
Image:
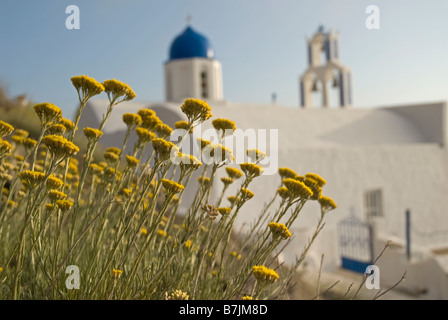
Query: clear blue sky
(260, 43)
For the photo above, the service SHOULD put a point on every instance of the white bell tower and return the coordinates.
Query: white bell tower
(192, 71)
(325, 72)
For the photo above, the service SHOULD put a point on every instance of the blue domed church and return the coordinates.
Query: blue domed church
(192, 70)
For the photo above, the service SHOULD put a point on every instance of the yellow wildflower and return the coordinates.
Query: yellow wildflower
(297, 189)
(283, 192)
(22, 133)
(172, 187)
(116, 273)
(5, 129)
(54, 183)
(29, 143)
(92, 134)
(64, 205)
(116, 89)
(255, 155)
(203, 143)
(163, 130)
(204, 180)
(161, 233)
(5, 148)
(218, 154)
(149, 118)
(176, 295)
(246, 194)
(196, 110)
(143, 231)
(144, 136)
(162, 148)
(227, 127)
(132, 119)
(87, 87)
(59, 146)
(227, 180)
(132, 161)
(56, 195)
(183, 125)
(48, 113)
(319, 180)
(279, 230)
(115, 150)
(286, 173)
(234, 173)
(251, 170)
(68, 124)
(264, 275)
(31, 178)
(327, 204)
(57, 129)
(224, 211)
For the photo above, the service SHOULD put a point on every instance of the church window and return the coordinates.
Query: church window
(373, 203)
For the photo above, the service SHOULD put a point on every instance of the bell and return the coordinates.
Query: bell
(315, 86)
(335, 82)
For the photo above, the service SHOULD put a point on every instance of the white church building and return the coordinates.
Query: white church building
(378, 162)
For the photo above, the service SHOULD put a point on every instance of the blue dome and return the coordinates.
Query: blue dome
(190, 44)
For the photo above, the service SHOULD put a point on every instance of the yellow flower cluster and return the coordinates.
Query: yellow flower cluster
(132, 119)
(172, 187)
(327, 204)
(5, 147)
(264, 275)
(87, 87)
(57, 129)
(286, 173)
(225, 211)
(162, 148)
(196, 110)
(149, 118)
(220, 154)
(297, 189)
(5, 129)
(279, 230)
(60, 146)
(203, 143)
(55, 195)
(255, 155)
(116, 273)
(144, 136)
(318, 179)
(227, 127)
(251, 170)
(48, 113)
(246, 194)
(227, 180)
(183, 125)
(116, 89)
(54, 183)
(163, 130)
(132, 161)
(234, 173)
(92, 134)
(68, 124)
(177, 295)
(64, 205)
(31, 178)
(204, 181)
